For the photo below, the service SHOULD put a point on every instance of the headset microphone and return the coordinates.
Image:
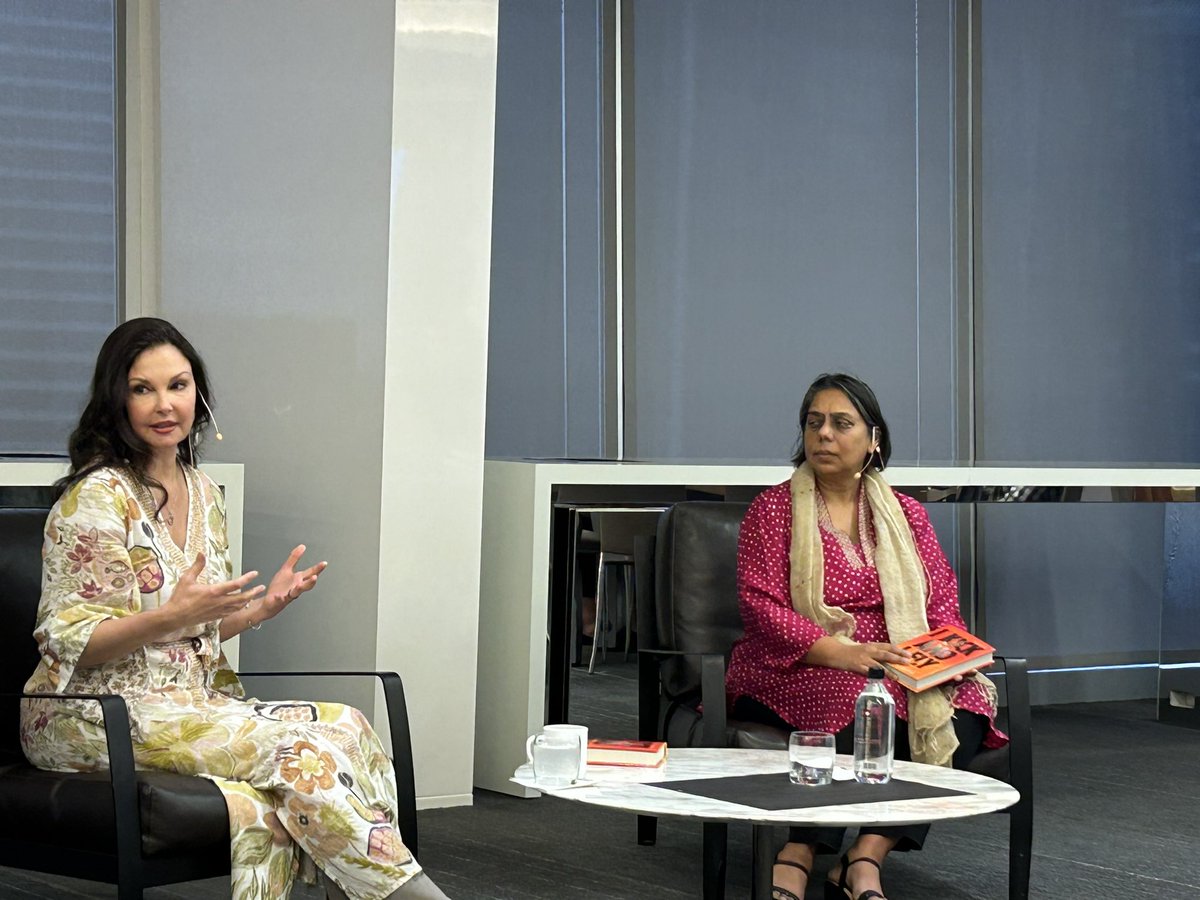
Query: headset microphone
(859, 473)
(212, 418)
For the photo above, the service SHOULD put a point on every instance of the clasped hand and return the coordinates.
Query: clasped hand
(196, 603)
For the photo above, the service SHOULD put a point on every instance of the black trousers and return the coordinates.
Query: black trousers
(968, 726)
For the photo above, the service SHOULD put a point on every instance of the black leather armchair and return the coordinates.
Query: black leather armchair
(135, 829)
(688, 620)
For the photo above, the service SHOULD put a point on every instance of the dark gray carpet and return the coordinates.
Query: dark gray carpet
(1116, 817)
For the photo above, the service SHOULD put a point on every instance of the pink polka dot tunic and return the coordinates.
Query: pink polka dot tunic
(767, 663)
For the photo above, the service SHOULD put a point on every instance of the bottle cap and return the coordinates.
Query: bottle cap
(875, 672)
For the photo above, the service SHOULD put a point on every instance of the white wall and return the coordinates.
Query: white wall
(278, 232)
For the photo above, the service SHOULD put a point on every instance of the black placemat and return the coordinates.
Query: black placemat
(776, 791)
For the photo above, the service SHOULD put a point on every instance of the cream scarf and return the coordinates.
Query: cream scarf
(905, 592)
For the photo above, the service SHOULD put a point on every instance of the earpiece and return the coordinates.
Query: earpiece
(220, 437)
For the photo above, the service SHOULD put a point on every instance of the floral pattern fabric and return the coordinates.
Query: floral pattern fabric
(296, 776)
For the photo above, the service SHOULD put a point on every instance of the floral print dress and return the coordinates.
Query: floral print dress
(298, 776)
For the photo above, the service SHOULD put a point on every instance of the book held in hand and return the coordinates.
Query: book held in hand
(938, 655)
(604, 752)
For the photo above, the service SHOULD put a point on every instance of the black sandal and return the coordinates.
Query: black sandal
(839, 891)
(778, 893)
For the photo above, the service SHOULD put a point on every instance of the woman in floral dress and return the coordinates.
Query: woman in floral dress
(137, 595)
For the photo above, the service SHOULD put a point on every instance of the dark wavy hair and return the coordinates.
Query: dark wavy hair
(864, 401)
(104, 437)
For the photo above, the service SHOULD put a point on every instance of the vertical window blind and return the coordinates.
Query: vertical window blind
(59, 215)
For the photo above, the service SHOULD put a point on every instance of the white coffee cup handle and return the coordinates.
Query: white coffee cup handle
(529, 748)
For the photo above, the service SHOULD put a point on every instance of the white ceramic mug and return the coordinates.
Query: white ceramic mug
(578, 730)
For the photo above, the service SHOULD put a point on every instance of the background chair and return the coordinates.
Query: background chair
(688, 620)
(135, 829)
(573, 534)
(615, 533)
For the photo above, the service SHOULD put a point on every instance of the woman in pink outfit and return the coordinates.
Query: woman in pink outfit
(834, 570)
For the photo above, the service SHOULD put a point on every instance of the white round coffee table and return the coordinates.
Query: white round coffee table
(632, 790)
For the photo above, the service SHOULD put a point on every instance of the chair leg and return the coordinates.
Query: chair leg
(599, 634)
(765, 846)
(647, 830)
(576, 617)
(715, 841)
(1020, 850)
(630, 609)
(610, 621)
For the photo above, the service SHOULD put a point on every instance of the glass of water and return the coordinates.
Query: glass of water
(555, 758)
(810, 755)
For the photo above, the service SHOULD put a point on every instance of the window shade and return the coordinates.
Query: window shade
(58, 213)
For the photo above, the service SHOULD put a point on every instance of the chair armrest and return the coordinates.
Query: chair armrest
(127, 820)
(712, 693)
(402, 757)
(1020, 727)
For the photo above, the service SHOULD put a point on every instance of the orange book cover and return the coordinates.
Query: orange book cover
(606, 752)
(938, 655)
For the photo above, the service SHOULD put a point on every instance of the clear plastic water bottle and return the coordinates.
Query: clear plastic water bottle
(874, 731)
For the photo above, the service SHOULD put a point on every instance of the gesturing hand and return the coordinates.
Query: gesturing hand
(194, 603)
(288, 584)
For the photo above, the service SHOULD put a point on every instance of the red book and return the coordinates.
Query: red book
(938, 655)
(603, 752)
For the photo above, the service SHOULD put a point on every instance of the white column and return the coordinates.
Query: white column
(435, 377)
